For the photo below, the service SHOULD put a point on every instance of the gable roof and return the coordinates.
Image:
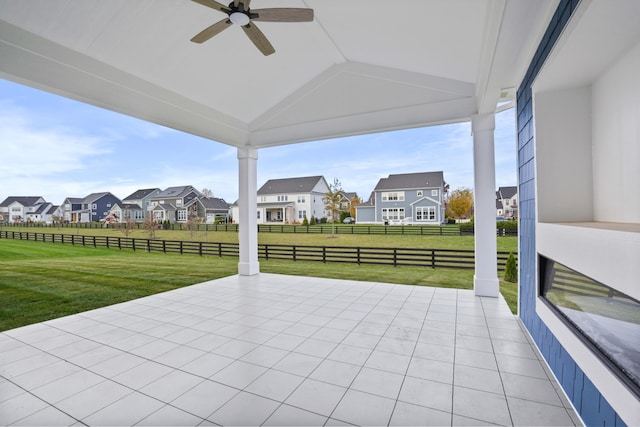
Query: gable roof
(23, 200)
(74, 200)
(42, 208)
(141, 194)
(94, 196)
(214, 203)
(290, 185)
(176, 192)
(411, 180)
(507, 192)
(52, 209)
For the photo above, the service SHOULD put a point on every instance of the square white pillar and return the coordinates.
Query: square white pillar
(247, 211)
(485, 280)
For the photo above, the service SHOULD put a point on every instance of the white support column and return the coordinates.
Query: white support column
(247, 207)
(485, 280)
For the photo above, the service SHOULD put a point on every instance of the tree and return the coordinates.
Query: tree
(193, 221)
(460, 203)
(207, 193)
(355, 201)
(332, 199)
(150, 225)
(128, 226)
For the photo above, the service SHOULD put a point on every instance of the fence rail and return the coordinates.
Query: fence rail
(397, 257)
(409, 230)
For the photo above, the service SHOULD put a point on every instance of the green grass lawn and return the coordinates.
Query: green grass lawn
(41, 281)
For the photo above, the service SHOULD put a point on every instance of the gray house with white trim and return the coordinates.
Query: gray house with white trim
(410, 198)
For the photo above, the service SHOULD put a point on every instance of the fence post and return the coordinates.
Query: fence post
(107, 242)
(133, 243)
(119, 243)
(94, 241)
(358, 255)
(200, 248)
(433, 258)
(148, 245)
(324, 254)
(294, 252)
(395, 257)
(164, 246)
(220, 249)
(180, 247)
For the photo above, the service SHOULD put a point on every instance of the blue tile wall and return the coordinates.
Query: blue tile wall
(592, 406)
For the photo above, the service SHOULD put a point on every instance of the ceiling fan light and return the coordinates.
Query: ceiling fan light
(239, 18)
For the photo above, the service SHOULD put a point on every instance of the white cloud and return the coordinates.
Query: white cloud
(30, 151)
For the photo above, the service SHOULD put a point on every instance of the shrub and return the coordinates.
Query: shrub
(305, 221)
(510, 269)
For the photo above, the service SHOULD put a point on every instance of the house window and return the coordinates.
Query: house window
(108, 205)
(434, 192)
(419, 193)
(94, 206)
(393, 213)
(426, 213)
(178, 202)
(393, 196)
(301, 199)
(302, 214)
(182, 215)
(263, 198)
(158, 215)
(283, 198)
(258, 214)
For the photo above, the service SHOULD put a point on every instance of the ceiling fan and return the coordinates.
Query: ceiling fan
(239, 13)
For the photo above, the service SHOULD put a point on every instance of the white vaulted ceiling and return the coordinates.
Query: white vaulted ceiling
(361, 66)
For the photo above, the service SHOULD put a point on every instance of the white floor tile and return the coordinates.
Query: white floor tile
(235, 411)
(129, 410)
(380, 383)
(406, 414)
(170, 386)
(298, 364)
(205, 398)
(276, 385)
(239, 374)
(481, 405)
(315, 396)
(430, 394)
(364, 409)
(287, 415)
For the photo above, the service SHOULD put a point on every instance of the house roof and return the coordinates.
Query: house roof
(94, 196)
(52, 209)
(290, 185)
(74, 200)
(23, 200)
(507, 192)
(411, 180)
(140, 194)
(214, 203)
(355, 69)
(42, 208)
(175, 192)
(130, 206)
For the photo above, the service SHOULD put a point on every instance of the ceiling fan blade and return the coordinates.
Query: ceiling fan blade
(258, 39)
(283, 14)
(213, 5)
(211, 31)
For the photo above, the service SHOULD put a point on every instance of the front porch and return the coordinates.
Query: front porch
(282, 350)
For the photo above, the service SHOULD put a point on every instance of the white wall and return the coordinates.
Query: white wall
(563, 155)
(616, 141)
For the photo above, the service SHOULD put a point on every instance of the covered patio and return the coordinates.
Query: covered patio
(282, 350)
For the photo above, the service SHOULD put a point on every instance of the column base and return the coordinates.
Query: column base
(248, 268)
(486, 287)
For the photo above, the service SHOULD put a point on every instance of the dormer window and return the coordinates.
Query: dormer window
(419, 193)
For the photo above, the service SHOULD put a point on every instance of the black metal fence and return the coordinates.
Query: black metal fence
(397, 257)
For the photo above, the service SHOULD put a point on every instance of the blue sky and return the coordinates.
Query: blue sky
(54, 147)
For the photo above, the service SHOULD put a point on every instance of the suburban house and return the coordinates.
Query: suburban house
(214, 208)
(17, 208)
(410, 198)
(346, 200)
(92, 208)
(507, 202)
(173, 203)
(134, 206)
(290, 200)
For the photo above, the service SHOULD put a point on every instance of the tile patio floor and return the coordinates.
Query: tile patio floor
(281, 350)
